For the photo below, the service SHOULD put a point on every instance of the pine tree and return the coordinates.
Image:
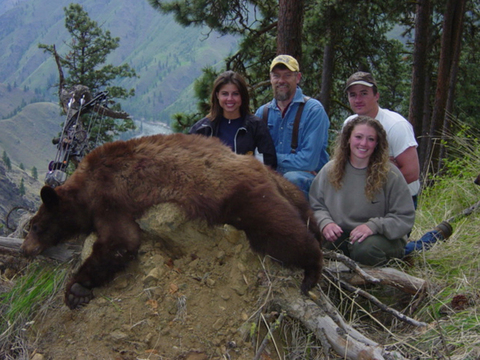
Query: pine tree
(86, 65)
(21, 189)
(6, 160)
(35, 173)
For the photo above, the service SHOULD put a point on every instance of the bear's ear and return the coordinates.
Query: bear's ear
(49, 197)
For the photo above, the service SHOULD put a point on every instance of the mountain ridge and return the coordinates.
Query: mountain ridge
(166, 56)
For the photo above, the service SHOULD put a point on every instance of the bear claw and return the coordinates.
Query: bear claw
(78, 295)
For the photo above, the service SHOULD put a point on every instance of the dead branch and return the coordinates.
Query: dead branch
(349, 271)
(102, 110)
(373, 300)
(352, 265)
(78, 92)
(390, 277)
(63, 252)
(322, 318)
(61, 82)
(268, 336)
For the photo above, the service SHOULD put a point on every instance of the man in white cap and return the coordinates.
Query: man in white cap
(363, 95)
(298, 125)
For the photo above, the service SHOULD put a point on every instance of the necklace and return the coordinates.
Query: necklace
(230, 120)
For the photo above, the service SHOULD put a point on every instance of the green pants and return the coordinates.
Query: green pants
(375, 250)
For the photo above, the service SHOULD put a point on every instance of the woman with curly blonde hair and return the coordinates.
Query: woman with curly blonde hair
(360, 199)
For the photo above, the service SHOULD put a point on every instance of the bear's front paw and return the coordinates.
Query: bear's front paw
(77, 295)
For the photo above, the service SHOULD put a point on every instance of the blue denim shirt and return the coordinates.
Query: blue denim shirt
(311, 152)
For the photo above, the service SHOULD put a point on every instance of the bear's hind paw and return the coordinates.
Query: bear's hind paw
(77, 295)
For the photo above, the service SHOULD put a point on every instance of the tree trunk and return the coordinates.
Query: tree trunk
(453, 19)
(289, 30)
(456, 51)
(327, 73)
(425, 144)
(417, 98)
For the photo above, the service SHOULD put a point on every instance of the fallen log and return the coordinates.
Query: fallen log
(322, 318)
(63, 252)
(10, 244)
(391, 277)
(350, 272)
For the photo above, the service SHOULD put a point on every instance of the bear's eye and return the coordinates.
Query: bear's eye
(35, 227)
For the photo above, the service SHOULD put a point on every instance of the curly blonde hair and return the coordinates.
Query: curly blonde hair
(378, 165)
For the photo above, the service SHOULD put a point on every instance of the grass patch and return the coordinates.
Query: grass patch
(451, 266)
(31, 294)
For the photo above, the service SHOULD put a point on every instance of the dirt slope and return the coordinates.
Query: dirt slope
(195, 300)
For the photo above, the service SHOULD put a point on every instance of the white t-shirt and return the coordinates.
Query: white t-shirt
(400, 137)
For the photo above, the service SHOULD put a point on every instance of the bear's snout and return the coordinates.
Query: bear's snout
(30, 248)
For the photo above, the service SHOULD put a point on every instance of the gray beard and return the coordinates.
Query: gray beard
(282, 96)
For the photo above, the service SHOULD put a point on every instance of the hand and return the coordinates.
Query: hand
(332, 232)
(360, 233)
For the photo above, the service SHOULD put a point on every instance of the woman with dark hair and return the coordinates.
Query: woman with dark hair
(361, 200)
(230, 120)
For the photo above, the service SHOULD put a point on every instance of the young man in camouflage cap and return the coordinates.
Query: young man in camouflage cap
(363, 96)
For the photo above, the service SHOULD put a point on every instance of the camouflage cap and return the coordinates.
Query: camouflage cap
(361, 78)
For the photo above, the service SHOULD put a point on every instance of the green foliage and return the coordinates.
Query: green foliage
(89, 48)
(29, 293)
(202, 88)
(35, 173)
(182, 122)
(462, 156)
(221, 15)
(85, 62)
(6, 160)
(466, 90)
(359, 35)
(364, 46)
(253, 329)
(21, 188)
(451, 266)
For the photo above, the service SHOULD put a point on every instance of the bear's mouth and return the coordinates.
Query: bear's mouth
(30, 249)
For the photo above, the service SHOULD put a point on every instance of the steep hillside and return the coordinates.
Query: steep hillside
(14, 99)
(11, 197)
(166, 56)
(27, 136)
(8, 4)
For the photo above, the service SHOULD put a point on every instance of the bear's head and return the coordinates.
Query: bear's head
(57, 220)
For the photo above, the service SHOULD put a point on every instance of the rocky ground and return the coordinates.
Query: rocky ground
(194, 294)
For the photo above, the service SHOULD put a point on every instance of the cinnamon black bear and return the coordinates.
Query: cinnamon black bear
(117, 182)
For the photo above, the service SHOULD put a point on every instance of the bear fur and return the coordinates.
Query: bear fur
(117, 182)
